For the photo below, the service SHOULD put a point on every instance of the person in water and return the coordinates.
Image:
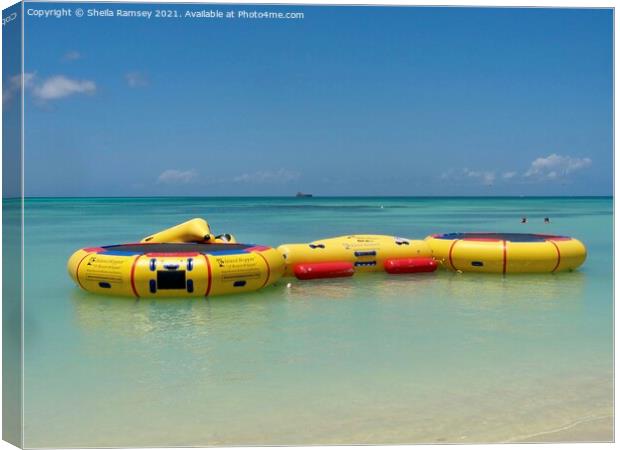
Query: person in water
(523, 219)
(547, 220)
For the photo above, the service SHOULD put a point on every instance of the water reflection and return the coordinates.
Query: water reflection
(165, 316)
(475, 290)
(465, 294)
(522, 290)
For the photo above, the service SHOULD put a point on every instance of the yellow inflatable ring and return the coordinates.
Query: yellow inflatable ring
(175, 269)
(506, 252)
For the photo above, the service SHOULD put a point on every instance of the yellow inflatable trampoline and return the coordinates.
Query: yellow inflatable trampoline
(176, 268)
(506, 252)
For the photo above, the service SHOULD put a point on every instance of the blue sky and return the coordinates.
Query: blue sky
(346, 101)
(11, 114)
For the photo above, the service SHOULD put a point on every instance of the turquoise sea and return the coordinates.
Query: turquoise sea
(443, 357)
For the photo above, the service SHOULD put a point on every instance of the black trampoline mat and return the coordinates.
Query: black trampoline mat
(511, 237)
(175, 247)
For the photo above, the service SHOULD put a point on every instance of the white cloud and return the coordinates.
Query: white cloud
(14, 84)
(556, 166)
(136, 79)
(268, 176)
(549, 168)
(72, 55)
(174, 176)
(28, 79)
(447, 174)
(59, 86)
(485, 177)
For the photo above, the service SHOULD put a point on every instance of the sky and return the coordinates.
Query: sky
(344, 101)
(11, 112)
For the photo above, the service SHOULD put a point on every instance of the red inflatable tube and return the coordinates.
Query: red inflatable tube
(313, 271)
(409, 265)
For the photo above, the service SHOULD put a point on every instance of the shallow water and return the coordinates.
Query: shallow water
(441, 357)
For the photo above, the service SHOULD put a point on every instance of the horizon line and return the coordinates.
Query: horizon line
(309, 198)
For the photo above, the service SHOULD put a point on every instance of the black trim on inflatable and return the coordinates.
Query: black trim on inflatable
(175, 247)
(510, 237)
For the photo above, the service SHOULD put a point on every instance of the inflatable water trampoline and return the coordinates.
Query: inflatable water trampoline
(207, 265)
(175, 269)
(506, 252)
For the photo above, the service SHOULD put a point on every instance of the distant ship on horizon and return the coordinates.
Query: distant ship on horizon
(301, 194)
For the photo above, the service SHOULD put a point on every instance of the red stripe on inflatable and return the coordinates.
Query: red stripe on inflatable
(132, 274)
(257, 248)
(553, 237)
(505, 259)
(480, 239)
(208, 276)
(268, 269)
(183, 254)
(450, 253)
(94, 249)
(557, 249)
(77, 270)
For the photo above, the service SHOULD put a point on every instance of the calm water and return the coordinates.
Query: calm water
(441, 357)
